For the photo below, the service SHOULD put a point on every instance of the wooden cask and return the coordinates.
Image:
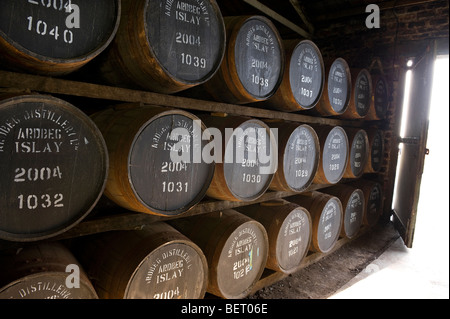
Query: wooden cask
(43, 271)
(380, 98)
(253, 65)
(55, 37)
(326, 214)
(376, 150)
(353, 203)
(303, 80)
(334, 147)
(298, 156)
(145, 173)
(289, 229)
(373, 200)
(54, 166)
(361, 97)
(157, 262)
(165, 46)
(337, 92)
(358, 152)
(246, 158)
(235, 246)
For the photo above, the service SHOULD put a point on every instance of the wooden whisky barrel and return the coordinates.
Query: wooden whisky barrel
(288, 229)
(380, 98)
(326, 215)
(337, 92)
(373, 200)
(334, 146)
(248, 159)
(54, 166)
(55, 37)
(235, 246)
(44, 271)
(361, 97)
(253, 65)
(298, 156)
(358, 152)
(166, 46)
(376, 150)
(353, 203)
(303, 80)
(146, 175)
(157, 262)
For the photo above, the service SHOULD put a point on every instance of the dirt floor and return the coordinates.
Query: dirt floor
(323, 278)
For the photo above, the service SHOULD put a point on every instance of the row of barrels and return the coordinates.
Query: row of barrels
(175, 46)
(223, 253)
(57, 161)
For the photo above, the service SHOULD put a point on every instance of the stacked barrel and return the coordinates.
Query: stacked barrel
(58, 162)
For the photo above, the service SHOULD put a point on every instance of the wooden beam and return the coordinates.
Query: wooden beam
(274, 15)
(296, 5)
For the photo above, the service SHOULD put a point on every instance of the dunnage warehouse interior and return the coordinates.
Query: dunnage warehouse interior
(73, 132)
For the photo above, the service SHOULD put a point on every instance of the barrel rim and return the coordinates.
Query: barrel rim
(322, 67)
(360, 172)
(8, 102)
(316, 162)
(274, 157)
(363, 209)
(236, 30)
(78, 60)
(349, 86)
(186, 242)
(182, 210)
(218, 62)
(84, 281)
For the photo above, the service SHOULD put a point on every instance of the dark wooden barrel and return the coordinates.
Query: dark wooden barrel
(337, 92)
(334, 146)
(246, 158)
(358, 152)
(303, 79)
(145, 173)
(289, 230)
(44, 271)
(376, 150)
(298, 156)
(157, 262)
(326, 214)
(165, 46)
(353, 203)
(380, 99)
(373, 200)
(55, 37)
(54, 165)
(235, 246)
(361, 97)
(253, 65)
